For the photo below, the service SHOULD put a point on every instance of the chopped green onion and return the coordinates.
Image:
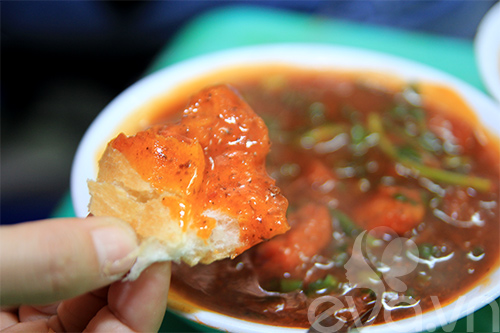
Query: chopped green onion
(322, 133)
(358, 133)
(416, 148)
(425, 250)
(439, 175)
(400, 197)
(449, 177)
(430, 142)
(400, 111)
(403, 198)
(348, 226)
(478, 251)
(419, 116)
(288, 285)
(458, 163)
(317, 113)
(409, 153)
(340, 259)
(375, 126)
(328, 283)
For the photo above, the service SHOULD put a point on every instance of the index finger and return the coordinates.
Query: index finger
(136, 306)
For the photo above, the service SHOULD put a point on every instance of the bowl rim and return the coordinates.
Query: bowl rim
(296, 54)
(487, 50)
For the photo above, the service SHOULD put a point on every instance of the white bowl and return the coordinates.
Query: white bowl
(487, 50)
(111, 120)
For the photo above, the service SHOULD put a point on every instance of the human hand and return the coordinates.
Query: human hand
(64, 275)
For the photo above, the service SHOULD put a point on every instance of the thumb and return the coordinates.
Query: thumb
(50, 260)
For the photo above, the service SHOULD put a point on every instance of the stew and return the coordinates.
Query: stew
(393, 198)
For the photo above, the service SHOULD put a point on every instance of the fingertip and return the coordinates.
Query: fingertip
(111, 221)
(141, 304)
(116, 249)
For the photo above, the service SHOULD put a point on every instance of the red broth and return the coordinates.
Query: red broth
(406, 164)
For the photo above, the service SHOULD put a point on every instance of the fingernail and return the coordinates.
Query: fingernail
(116, 249)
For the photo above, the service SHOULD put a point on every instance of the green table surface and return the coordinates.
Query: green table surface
(238, 26)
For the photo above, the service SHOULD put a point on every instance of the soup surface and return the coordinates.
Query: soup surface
(393, 203)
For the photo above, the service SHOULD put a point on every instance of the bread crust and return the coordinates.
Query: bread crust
(189, 197)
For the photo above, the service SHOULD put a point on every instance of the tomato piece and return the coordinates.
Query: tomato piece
(292, 253)
(395, 207)
(315, 183)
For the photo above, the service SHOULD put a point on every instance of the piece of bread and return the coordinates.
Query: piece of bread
(196, 190)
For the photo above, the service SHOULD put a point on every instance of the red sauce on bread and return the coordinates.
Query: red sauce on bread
(213, 158)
